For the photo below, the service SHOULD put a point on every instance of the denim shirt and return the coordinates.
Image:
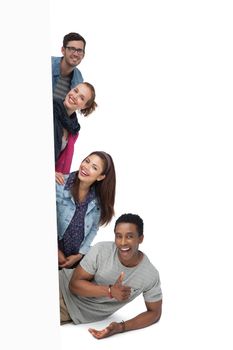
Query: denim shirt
(77, 75)
(65, 210)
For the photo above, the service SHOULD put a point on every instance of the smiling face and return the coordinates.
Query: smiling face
(77, 98)
(91, 169)
(73, 58)
(127, 241)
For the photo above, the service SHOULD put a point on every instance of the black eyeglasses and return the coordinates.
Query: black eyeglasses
(73, 50)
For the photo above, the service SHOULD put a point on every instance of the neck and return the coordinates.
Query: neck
(83, 192)
(65, 68)
(84, 186)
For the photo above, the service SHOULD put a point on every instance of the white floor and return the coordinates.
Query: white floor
(78, 335)
(176, 330)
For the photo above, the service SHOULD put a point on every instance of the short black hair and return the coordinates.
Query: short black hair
(73, 36)
(131, 219)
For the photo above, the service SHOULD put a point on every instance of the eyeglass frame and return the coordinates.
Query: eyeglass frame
(73, 50)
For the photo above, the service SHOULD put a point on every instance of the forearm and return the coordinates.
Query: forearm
(142, 320)
(88, 289)
(61, 257)
(78, 256)
(86, 244)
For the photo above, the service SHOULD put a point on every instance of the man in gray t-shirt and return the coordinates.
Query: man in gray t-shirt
(111, 275)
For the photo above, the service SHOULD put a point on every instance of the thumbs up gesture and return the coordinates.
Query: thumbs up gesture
(119, 291)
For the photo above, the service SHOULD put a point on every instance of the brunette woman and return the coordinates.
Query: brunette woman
(84, 203)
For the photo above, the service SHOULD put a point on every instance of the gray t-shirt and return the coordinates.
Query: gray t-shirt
(102, 261)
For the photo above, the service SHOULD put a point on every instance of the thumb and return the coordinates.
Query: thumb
(120, 278)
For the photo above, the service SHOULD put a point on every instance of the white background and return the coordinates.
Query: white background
(163, 78)
(29, 315)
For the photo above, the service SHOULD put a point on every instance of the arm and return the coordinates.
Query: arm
(147, 318)
(94, 223)
(59, 177)
(81, 284)
(61, 257)
(86, 243)
(142, 320)
(65, 208)
(70, 260)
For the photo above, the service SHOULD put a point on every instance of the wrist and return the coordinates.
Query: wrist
(109, 291)
(122, 324)
(76, 257)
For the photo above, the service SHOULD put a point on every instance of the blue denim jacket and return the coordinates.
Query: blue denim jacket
(65, 210)
(77, 75)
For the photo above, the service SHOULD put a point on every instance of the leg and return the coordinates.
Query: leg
(64, 314)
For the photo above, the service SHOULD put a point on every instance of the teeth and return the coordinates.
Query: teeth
(124, 249)
(84, 173)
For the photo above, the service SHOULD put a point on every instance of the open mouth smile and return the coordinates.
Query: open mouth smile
(84, 172)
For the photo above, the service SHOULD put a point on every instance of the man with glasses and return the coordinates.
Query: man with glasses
(65, 74)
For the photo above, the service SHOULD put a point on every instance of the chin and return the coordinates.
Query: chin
(125, 258)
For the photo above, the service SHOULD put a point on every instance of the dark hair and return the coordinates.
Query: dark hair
(73, 37)
(91, 104)
(131, 219)
(104, 189)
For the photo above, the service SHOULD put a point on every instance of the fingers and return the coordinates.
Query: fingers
(67, 264)
(59, 178)
(106, 332)
(119, 290)
(99, 334)
(61, 261)
(120, 278)
(61, 258)
(125, 294)
(64, 265)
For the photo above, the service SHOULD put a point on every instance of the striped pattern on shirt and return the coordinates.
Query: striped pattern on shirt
(62, 87)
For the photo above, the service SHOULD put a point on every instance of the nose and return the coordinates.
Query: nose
(75, 96)
(123, 241)
(75, 52)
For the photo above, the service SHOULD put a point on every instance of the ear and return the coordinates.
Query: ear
(101, 177)
(141, 239)
(63, 50)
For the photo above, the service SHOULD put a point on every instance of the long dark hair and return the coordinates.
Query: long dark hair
(104, 189)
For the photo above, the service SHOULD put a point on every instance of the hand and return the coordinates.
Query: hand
(59, 178)
(112, 329)
(61, 257)
(71, 260)
(119, 291)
